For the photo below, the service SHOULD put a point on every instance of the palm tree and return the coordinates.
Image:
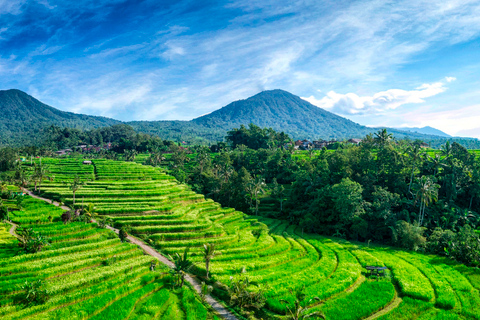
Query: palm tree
(414, 152)
(75, 185)
(21, 176)
(297, 312)
(182, 265)
(382, 137)
(436, 162)
(427, 191)
(208, 254)
(130, 155)
(446, 149)
(40, 173)
(255, 187)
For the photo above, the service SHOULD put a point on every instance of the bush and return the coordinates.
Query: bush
(33, 293)
(439, 241)
(66, 217)
(463, 246)
(31, 241)
(408, 235)
(122, 234)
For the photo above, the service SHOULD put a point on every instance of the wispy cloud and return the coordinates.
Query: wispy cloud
(379, 103)
(181, 59)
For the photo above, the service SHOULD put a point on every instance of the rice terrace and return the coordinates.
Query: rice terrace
(91, 274)
(239, 160)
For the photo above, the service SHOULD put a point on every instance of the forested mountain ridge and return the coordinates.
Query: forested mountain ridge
(277, 109)
(23, 117)
(283, 111)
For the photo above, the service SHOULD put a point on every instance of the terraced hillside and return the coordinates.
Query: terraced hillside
(275, 254)
(88, 273)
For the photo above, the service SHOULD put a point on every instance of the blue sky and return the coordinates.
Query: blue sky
(379, 63)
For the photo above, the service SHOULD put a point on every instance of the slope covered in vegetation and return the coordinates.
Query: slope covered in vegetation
(85, 272)
(275, 255)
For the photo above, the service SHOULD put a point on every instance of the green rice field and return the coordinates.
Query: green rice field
(277, 256)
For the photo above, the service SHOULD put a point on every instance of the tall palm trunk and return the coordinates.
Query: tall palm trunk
(207, 267)
(411, 178)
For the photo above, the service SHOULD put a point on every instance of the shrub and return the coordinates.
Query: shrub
(122, 234)
(408, 235)
(33, 293)
(66, 217)
(245, 298)
(31, 241)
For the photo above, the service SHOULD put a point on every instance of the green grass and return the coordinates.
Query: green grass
(172, 217)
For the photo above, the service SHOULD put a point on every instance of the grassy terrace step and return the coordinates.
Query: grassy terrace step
(281, 257)
(411, 280)
(80, 280)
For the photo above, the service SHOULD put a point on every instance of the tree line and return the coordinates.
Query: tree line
(382, 190)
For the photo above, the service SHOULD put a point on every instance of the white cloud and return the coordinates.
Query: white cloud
(352, 104)
(11, 6)
(450, 79)
(173, 50)
(109, 102)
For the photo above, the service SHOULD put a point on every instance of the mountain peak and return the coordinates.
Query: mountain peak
(283, 111)
(24, 117)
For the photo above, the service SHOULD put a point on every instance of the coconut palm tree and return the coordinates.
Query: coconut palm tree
(40, 173)
(436, 162)
(75, 185)
(21, 177)
(382, 137)
(415, 153)
(209, 253)
(182, 265)
(427, 191)
(255, 187)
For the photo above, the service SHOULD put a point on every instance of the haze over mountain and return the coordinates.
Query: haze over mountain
(23, 118)
(426, 130)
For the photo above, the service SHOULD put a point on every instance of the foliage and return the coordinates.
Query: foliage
(104, 221)
(408, 235)
(33, 293)
(182, 266)
(256, 138)
(209, 253)
(66, 217)
(74, 185)
(242, 296)
(463, 246)
(3, 211)
(298, 311)
(122, 234)
(31, 241)
(205, 290)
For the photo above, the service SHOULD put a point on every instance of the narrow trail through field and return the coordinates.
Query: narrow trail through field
(12, 229)
(221, 310)
(31, 194)
(392, 305)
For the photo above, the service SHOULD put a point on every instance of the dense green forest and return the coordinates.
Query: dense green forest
(311, 214)
(382, 190)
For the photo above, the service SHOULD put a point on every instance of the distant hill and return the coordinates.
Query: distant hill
(426, 130)
(283, 111)
(276, 109)
(23, 117)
